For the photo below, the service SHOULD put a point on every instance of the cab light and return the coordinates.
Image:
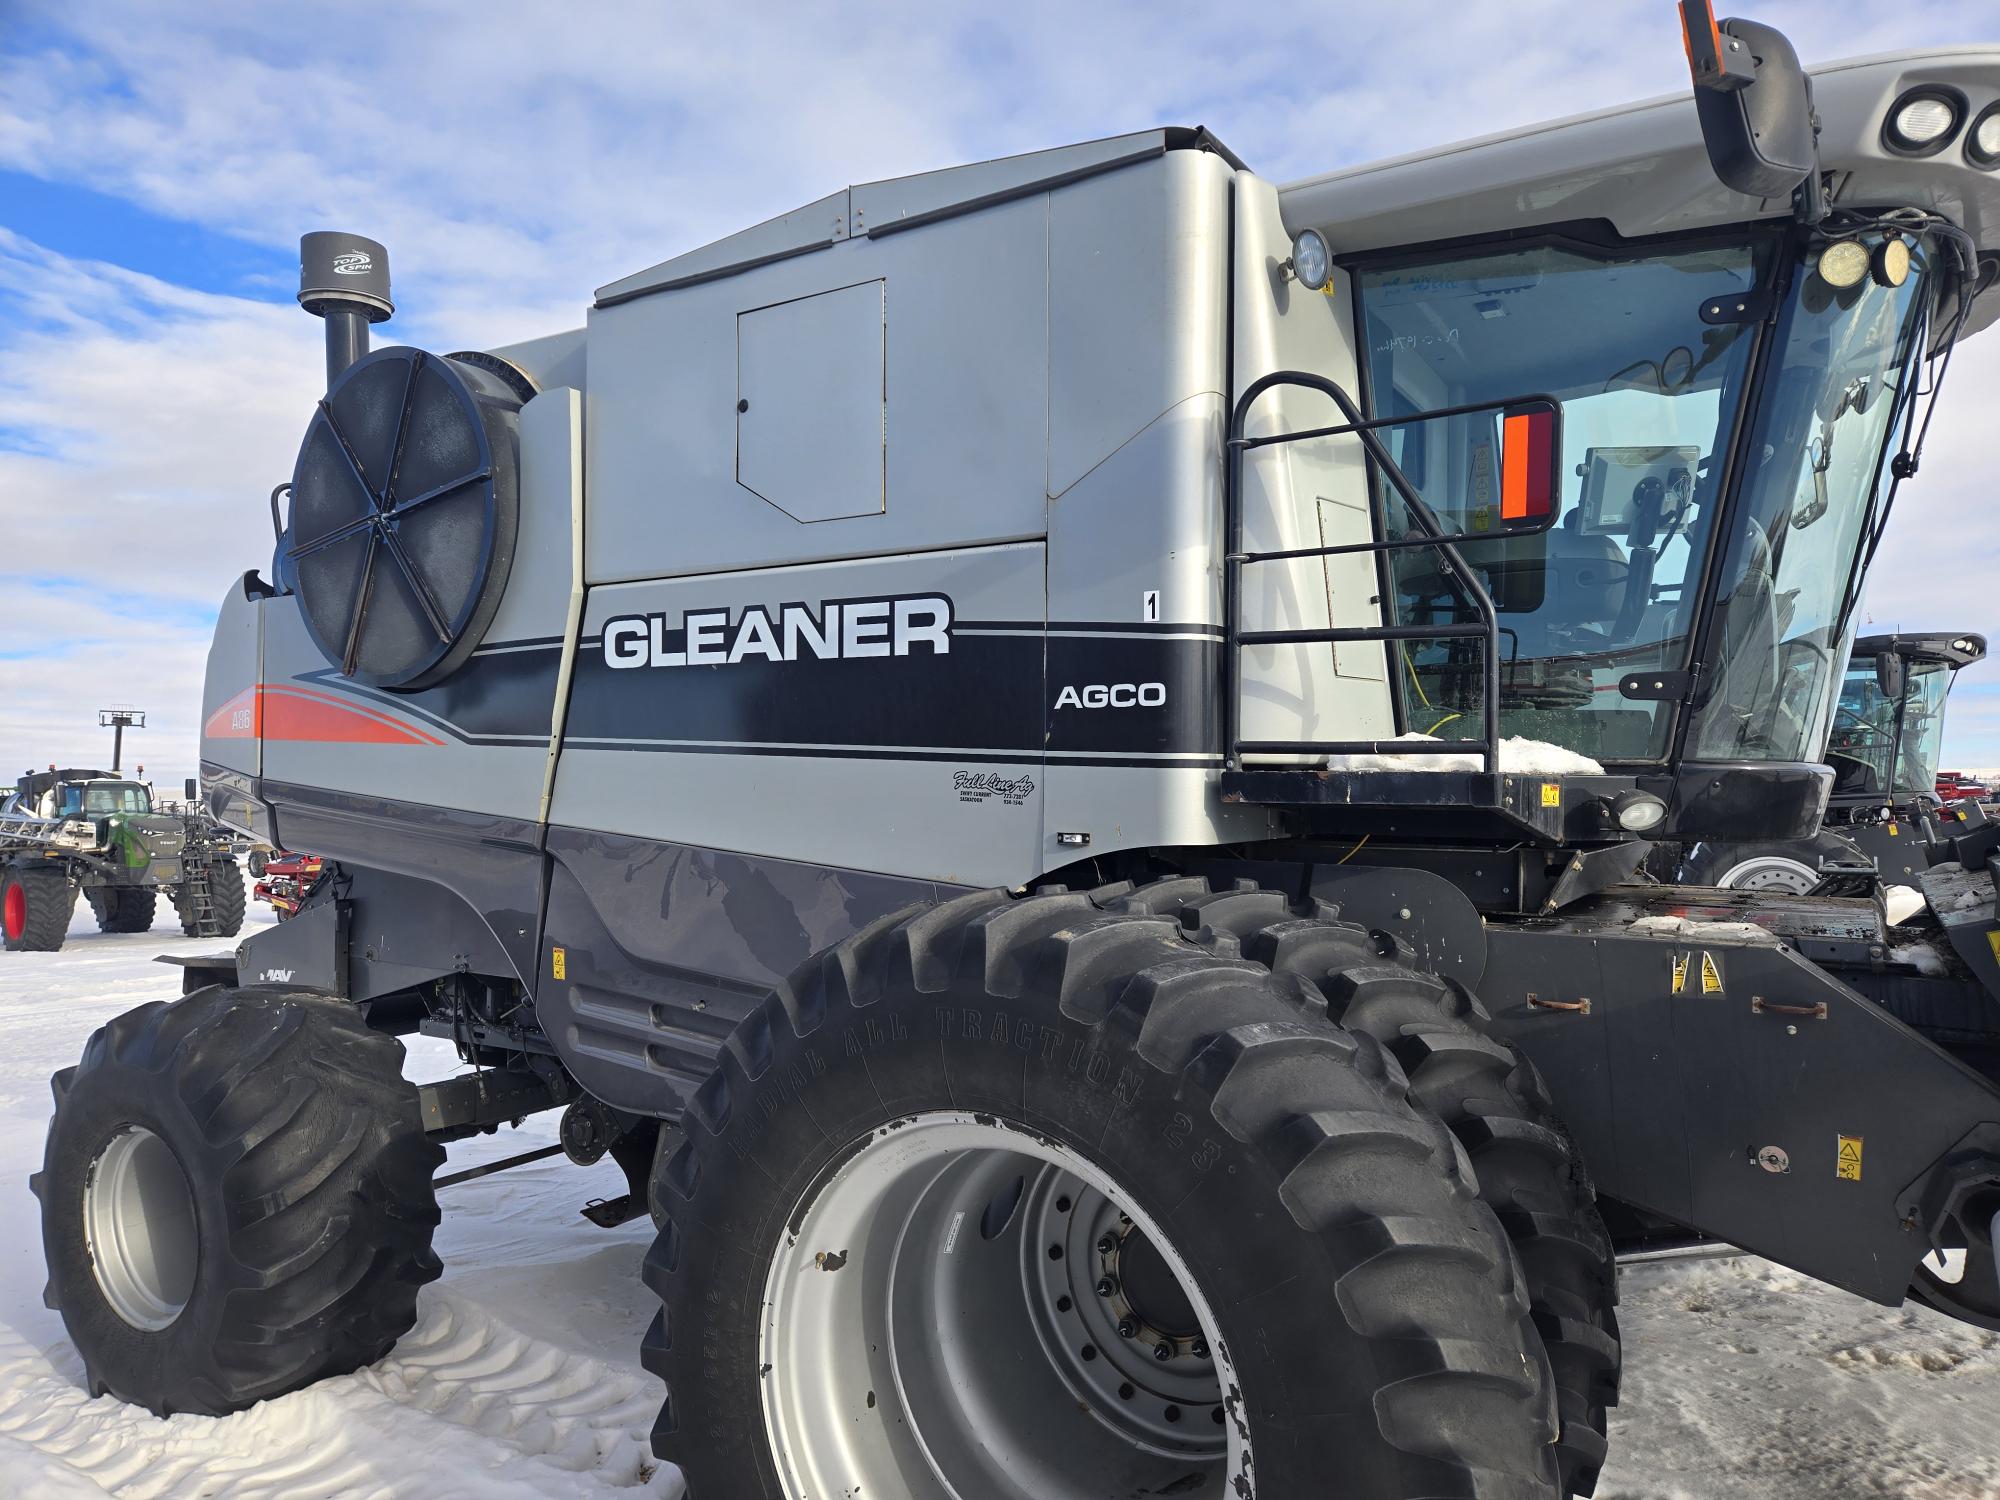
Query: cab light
(1982, 142)
(1891, 261)
(1844, 263)
(1923, 121)
(1312, 262)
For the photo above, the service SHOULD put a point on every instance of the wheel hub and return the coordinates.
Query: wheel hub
(965, 1311)
(1771, 872)
(139, 1224)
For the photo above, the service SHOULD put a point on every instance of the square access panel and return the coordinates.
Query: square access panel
(811, 403)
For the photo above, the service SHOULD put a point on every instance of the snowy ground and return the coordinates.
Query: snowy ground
(521, 1378)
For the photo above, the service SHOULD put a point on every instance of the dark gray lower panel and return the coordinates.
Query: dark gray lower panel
(492, 865)
(1740, 1090)
(653, 952)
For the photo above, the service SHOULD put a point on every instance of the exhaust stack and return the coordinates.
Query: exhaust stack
(344, 280)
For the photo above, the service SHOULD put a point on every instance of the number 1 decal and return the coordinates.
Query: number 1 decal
(1149, 607)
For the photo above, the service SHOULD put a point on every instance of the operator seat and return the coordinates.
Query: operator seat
(1585, 577)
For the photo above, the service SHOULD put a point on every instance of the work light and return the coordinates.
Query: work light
(1923, 121)
(1311, 262)
(1982, 142)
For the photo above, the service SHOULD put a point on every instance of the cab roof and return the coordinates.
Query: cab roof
(1643, 168)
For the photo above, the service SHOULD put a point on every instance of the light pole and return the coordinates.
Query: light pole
(118, 720)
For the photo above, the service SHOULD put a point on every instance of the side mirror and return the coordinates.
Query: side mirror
(191, 789)
(1755, 103)
(1889, 674)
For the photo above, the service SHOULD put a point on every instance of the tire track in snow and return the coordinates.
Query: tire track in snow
(464, 1407)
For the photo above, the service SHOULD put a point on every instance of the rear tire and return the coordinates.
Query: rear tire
(1368, 1317)
(35, 908)
(226, 901)
(124, 908)
(236, 1199)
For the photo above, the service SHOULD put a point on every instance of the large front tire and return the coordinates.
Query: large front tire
(123, 908)
(1494, 1101)
(969, 1104)
(236, 1199)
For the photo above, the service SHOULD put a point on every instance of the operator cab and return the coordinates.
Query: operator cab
(1888, 726)
(100, 799)
(1651, 638)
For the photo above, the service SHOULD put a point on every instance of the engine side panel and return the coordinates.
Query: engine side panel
(656, 950)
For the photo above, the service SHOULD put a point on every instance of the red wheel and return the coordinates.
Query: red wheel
(15, 915)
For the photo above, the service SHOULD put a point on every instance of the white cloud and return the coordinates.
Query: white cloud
(517, 155)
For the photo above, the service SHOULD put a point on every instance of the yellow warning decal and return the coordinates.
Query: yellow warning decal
(1848, 1166)
(558, 964)
(1993, 942)
(1893, 831)
(1711, 975)
(1680, 973)
(1552, 794)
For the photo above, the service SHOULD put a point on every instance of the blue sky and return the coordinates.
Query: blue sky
(157, 165)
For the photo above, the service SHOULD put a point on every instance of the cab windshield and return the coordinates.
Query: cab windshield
(1883, 746)
(1650, 352)
(103, 798)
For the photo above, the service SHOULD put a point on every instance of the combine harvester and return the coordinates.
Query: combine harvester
(901, 729)
(1883, 814)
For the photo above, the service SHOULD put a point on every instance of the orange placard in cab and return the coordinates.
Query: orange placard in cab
(1528, 465)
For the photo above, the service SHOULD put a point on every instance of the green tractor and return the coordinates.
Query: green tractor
(64, 831)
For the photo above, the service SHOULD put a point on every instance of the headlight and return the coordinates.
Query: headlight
(1982, 142)
(1923, 121)
(1638, 812)
(1312, 261)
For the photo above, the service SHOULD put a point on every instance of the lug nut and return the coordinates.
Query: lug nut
(1200, 1349)
(1127, 1329)
(1106, 1287)
(1163, 1352)
(1108, 1244)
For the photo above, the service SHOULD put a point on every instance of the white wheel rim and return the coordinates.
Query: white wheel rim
(139, 1224)
(1771, 872)
(921, 1340)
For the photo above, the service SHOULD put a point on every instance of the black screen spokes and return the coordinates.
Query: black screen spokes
(402, 528)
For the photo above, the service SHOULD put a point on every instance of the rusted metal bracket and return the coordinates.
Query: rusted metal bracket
(1760, 1006)
(1574, 1007)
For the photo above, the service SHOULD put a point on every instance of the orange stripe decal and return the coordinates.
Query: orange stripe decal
(284, 711)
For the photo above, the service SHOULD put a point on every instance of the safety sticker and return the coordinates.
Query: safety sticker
(1993, 942)
(1552, 794)
(1711, 974)
(1847, 1167)
(1680, 973)
(558, 964)
(1894, 831)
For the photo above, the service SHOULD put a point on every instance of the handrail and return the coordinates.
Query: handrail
(1454, 567)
